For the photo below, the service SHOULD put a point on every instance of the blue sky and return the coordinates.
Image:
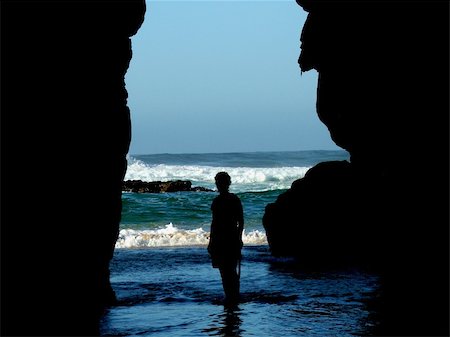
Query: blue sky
(222, 76)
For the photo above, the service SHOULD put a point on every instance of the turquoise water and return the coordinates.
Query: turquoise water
(257, 178)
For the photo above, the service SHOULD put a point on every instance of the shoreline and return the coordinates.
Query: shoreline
(180, 247)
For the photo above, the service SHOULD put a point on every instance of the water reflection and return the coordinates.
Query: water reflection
(227, 323)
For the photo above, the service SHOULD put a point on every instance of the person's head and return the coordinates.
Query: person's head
(223, 181)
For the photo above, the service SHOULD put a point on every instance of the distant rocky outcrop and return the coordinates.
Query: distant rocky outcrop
(139, 186)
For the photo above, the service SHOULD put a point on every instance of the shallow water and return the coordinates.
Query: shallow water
(176, 292)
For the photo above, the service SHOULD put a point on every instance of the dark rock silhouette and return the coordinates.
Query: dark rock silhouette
(64, 119)
(139, 186)
(383, 95)
(319, 218)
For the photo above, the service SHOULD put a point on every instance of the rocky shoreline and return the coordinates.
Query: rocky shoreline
(139, 186)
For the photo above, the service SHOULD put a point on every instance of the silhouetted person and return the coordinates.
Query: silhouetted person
(226, 236)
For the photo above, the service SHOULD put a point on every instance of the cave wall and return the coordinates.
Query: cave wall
(65, 121)
(382, 92)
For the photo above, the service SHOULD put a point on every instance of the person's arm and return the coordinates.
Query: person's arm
(240, 221)
(211, 235)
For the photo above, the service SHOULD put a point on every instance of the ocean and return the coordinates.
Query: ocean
(162, 274)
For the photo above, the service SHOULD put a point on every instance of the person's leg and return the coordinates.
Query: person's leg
(230, 282)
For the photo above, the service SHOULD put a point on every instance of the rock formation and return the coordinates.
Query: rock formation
(65, 119)
(139, 186)
(383, 95)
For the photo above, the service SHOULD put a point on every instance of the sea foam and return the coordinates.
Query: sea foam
(171, 236)
(244, 179)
